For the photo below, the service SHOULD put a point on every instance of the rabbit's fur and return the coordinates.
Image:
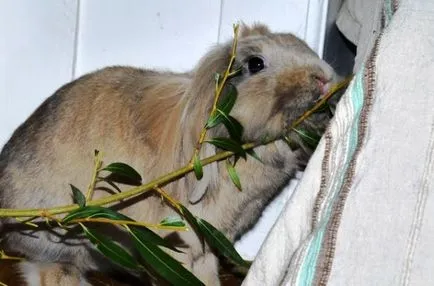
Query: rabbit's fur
(151, 120)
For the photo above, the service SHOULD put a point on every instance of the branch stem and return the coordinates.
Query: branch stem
(98, 163)
(128, 222)
(218, 91)
(163, 180)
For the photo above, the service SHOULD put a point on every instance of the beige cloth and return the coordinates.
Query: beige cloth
(363, 212)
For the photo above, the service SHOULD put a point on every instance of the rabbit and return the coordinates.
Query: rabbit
(151, 120)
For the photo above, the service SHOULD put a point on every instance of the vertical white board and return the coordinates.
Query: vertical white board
(278, 15)
(153, 34)
(316, 25)
(36, 54)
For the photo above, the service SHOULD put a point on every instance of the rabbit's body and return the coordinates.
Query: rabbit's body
(152, 121)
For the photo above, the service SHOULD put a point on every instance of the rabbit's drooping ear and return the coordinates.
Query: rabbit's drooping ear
(198, 188)
(257, 29)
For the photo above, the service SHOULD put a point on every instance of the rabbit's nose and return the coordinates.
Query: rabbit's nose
(323, 83)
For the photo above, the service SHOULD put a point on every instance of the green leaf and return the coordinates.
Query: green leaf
(172, 221)
(213, 121)
(189, 216)
(228, 99)
(123, 172)
(233, 174)
(93, 211)
(225, 105)
(152, 237)
(111, 184)
(228, 144)
(110, 249)
(213, 237)
(192, 220)
(309, 138)
(233, 126)
(253, 154)
(163, 264)
(219, 242)
(197, 167)
(78, 196)
(101, 212)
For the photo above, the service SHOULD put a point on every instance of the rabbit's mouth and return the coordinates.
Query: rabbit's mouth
(296, 108)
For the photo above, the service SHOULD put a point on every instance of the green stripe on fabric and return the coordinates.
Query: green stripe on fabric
(307, 273)
(388, 11)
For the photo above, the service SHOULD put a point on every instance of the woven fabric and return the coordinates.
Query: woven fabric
(361, 213)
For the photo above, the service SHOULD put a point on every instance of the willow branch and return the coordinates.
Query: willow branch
(128, 222)
(219, 88)
(163, 180)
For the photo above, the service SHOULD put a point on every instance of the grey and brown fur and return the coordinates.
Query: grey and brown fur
(151, 120)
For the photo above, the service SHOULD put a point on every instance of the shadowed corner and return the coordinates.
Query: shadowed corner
(9, 274)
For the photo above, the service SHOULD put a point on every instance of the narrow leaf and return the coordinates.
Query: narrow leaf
(213, 237)
(233, 174)
(111, 184)
(93, 211)
(253, 154)
(225, 105)
(78, 196)
(192, 220)
(213, 121)
(189, 217)
(110, 249)
(123, 171)
(197, 167)
(233, 126)
(228, 144)
(228, 99)
(152, 237)
(172, 221)
(309, 138)
(101, 212)
(165, 265)
(218, 241)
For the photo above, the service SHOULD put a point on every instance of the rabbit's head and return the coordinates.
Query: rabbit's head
(280, 78)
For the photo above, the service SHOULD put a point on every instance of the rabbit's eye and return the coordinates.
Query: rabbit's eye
(255, 64)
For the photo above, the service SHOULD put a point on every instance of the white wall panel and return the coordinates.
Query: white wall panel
(36, 53)
(279, 15)
(155, 34)
(316, 25)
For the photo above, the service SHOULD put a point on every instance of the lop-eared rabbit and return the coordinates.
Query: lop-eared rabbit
(151, 120)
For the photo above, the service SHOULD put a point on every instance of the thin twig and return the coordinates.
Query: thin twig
(28, 221)
(323, 100)
(128, 222)
(171, 200)
(161, 181)
(97, 166)
(3, 256)
(218, 90)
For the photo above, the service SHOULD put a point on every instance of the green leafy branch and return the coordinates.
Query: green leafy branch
(86, 211)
